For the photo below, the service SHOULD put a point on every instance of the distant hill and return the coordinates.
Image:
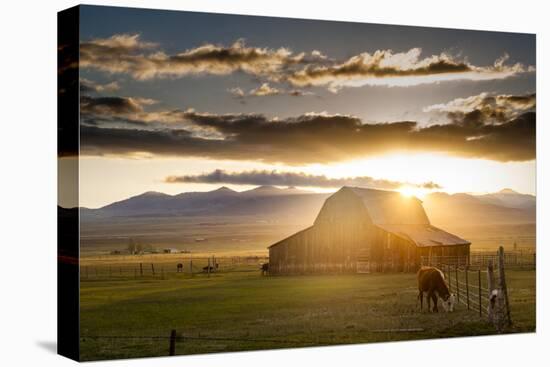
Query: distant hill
(503, 207)
(253, 219)
(263, 201)
(511, 199)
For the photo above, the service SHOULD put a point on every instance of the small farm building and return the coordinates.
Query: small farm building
(365, 230)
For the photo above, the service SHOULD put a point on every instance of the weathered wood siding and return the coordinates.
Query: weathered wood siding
(342, 235)
(389, 252)
(318, 249)
(331, 245)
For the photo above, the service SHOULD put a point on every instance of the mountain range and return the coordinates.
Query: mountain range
(503, 207)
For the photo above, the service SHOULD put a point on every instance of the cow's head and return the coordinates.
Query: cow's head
(449, 303)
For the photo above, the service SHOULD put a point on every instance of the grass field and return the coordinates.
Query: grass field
(271, 312)
(250, 234)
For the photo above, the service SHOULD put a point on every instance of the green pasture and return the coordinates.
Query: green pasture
(236, 311)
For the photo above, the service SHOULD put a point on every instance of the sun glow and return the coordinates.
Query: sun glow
(411, 191)
(105, 180)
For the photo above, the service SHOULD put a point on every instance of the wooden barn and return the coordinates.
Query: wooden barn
(365, 230)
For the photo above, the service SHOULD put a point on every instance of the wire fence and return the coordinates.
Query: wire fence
(477, 288)
(512, 260)
(469, 286)
(174, 340)
(135, 268)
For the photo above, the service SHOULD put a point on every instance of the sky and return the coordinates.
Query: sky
(180, 101)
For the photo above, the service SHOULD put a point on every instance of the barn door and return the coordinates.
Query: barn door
(363, 265)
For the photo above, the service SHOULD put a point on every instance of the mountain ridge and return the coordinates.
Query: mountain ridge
(270, 201)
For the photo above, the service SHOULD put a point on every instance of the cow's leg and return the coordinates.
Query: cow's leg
(421, 298)
(434, 298)
(428, 298)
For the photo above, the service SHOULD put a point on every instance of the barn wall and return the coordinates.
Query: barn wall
(453, 255)
(320, 249)
(343, 235)
(389, 252)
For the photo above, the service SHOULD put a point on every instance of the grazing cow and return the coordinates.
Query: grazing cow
(179, 267)
(210, 269)
(432, 281)
(265, 268)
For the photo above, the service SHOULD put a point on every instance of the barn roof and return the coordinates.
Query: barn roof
(423, 235)
(292, 236)
(390, 207)
(402, 216)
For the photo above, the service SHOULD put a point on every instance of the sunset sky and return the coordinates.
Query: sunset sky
(175, 101)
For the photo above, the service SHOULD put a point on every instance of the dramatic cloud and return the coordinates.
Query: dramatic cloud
(292, 179)
(89, 86)
(142, 60)
(127, 54)
(266, 90)
(114, 106)
(485, 108)
(237, 92)
(309, 138)
(299, 93)
(132, 112)
(384, 67)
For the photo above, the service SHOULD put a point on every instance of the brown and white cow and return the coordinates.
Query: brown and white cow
(432, 281)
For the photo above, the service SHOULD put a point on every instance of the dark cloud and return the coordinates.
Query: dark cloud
(291, 179)
(128, 54)
(310, 138)
(485, 108)
(266, 90)
(299, 93)
(113, 106)
(385, 67)
(89, 86)
(514, 140)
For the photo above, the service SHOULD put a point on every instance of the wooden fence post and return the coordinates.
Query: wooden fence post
(172, 349)
(208, 267)
(153, 268)
(490, 286)
(479, 290)
(449, 275)
(467, 287)
(141, 269)
(502, 283)
(456, 282)
(191, 267)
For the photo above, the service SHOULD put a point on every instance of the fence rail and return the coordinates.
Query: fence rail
(138, 268)
(469, 287)
(174, 337)
(476, 287)
(512, 259)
